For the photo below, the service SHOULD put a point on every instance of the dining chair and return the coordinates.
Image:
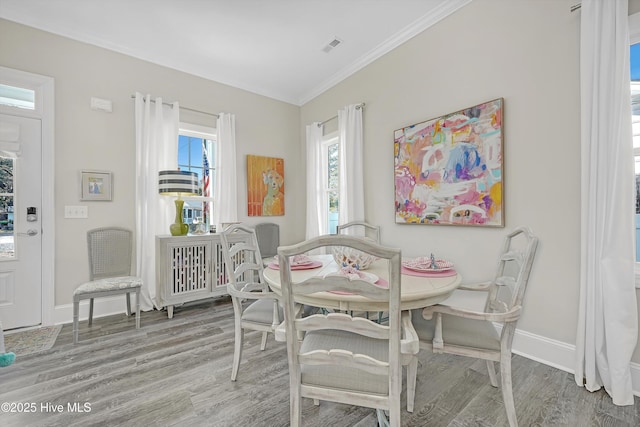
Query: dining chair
(363, 229)
(255, 307)
(360, 228)
(110, 251)
(268, 235)
(337, 357)
(465, 332)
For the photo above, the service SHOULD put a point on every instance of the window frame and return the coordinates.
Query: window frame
(202, 132)
(328, 140)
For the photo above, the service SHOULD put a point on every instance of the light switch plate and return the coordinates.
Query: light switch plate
(76, 212)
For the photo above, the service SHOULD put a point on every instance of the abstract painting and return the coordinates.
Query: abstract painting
(448, 170)
(265, 186)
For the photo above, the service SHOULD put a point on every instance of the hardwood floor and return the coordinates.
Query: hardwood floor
(175, 372)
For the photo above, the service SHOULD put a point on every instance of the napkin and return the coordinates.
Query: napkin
(353, 273)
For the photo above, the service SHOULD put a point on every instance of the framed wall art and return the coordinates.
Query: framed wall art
(265, 186)
(95, 185)
(449, 170)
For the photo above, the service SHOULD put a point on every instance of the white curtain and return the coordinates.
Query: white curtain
(317, 221)
(607, 322)
(225, 194)
(351, 205)
(156, 149)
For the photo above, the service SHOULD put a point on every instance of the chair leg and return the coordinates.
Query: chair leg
(263, 344)
(507, 391)
(237, 351)
(90, 311)
(138, 308)
(412, 373)
(128, 294)
(76, 309)
(295, 412)
(492, 373)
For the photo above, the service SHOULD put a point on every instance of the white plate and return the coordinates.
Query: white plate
(424, 264)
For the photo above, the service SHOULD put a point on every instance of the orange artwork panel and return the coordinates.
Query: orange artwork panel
(265, 186)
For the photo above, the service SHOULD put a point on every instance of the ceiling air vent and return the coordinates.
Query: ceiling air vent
(331, 45)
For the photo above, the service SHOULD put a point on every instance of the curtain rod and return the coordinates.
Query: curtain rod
(359, 106)
(575, 7)
(185, 108)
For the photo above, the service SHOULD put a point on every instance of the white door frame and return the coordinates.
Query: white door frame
(44, 101)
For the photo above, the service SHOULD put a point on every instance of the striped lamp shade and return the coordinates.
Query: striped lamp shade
(177, 183)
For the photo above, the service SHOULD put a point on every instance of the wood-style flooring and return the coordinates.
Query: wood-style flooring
(175, 372)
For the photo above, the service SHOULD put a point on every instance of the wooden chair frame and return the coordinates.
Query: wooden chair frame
(244, 267)
(402, 340)
(505, 313)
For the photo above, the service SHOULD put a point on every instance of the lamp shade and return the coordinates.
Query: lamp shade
(177, 183)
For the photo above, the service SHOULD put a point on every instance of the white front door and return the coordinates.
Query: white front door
(20, 221)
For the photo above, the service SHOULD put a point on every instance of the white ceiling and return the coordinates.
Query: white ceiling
(270, 47)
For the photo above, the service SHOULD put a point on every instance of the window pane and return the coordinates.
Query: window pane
(333, 158)
(17, 97)
(7, 249)
(333, 212)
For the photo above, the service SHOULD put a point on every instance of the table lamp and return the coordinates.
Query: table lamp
(178, 183)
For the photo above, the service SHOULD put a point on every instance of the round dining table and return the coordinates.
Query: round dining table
(418, 289)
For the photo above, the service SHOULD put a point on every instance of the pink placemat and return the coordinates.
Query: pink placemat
(446, 273)
(380, 282)
(314, 264)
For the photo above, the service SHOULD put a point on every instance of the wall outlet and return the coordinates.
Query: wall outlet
(76, 212)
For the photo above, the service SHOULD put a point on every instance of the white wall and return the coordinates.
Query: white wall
(87, 139)
(528, 53)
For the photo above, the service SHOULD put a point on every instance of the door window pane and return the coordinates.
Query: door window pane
(7, 248)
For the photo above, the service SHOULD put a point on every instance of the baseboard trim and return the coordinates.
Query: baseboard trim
(558, 354)
(103, 306)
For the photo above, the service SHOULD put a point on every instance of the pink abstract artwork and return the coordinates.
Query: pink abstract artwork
(448, 170)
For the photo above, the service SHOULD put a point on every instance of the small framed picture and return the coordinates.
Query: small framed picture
(96, 185)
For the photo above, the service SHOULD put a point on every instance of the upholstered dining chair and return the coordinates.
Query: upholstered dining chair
(255, 307)
(110, 251)
(268, 235)
(464, 332)
(360, 228)
(337, 357)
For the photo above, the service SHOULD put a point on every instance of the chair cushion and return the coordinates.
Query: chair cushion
(345, 378)
(458, 331)
(261, 311)
(109, 284)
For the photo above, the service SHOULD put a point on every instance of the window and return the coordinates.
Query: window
(196, 151)
(330, 164)
(17, 97)
(634, 56)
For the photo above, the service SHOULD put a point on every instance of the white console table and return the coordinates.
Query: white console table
(189, 268)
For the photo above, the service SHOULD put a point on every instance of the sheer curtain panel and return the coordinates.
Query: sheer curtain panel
(317, 221)
(156, 149)
(225, 195)
(607, 320)
(351, 205)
